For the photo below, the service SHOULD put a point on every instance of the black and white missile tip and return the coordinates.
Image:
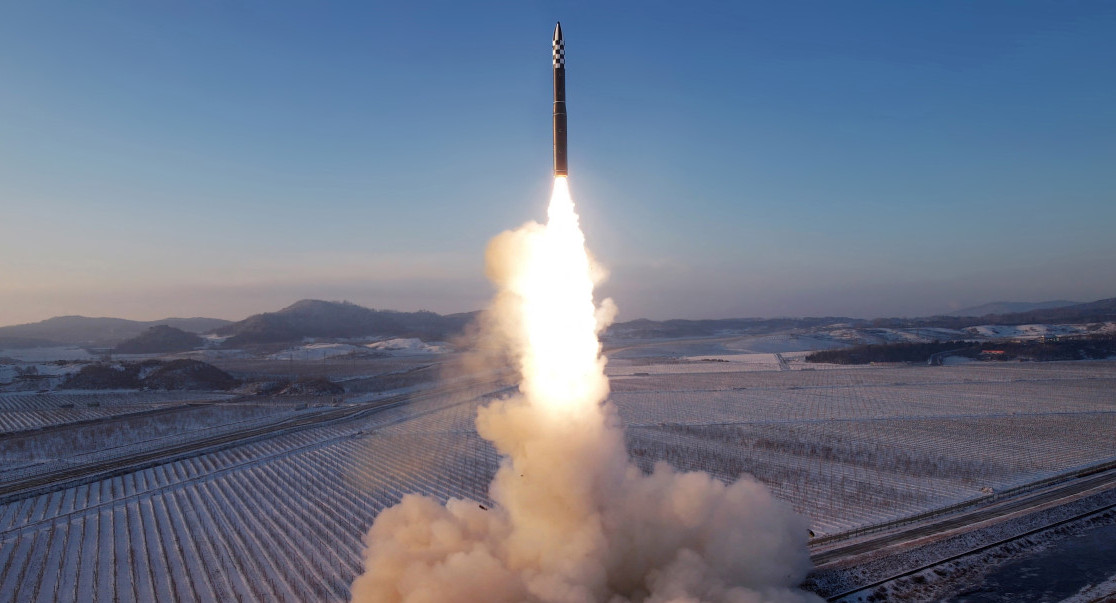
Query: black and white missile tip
(559, 47)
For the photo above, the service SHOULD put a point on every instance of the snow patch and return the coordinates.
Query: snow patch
(317, 351)
(1038, 331)
(408, 347)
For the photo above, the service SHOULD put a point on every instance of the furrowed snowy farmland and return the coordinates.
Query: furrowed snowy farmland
(280, 515)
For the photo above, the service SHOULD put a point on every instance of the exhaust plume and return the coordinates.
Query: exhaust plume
(575, 520)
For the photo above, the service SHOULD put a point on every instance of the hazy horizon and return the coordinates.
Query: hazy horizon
(727, 161)
(283, 304)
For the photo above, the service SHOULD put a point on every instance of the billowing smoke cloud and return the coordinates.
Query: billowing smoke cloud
(575, 520)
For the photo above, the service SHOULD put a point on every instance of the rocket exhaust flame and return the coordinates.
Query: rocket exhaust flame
(561, 363)
(575, 520)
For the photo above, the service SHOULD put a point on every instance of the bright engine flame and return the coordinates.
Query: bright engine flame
(561, 364)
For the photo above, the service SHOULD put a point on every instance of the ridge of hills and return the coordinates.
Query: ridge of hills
(1002, 307)
(93, 331)
(1102, 310)
(327, 319)
(160, 339)
(310, 318)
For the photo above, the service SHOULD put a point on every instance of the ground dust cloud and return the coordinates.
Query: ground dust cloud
(575, 520)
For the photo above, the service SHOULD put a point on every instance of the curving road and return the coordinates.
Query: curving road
(1022, 503)
(980, 549)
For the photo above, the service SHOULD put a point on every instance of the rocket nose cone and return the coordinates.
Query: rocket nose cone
(558, 31)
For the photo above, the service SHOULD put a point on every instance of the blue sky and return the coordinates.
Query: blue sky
(728, 158)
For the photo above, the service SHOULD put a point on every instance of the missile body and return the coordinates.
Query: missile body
(560, 168)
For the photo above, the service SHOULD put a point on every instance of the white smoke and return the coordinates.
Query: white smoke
(575, 520)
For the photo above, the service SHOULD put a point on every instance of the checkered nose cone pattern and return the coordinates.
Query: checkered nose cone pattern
(559, 53)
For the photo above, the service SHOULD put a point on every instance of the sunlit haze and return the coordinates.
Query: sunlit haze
(729, 159)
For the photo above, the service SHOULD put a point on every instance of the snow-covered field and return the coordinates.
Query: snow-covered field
(838, 335)
(318, 351)
(408, 347)
(32, 410)
(1039, 331)
(274, 520)
(393, 347)
(282, 519)
(120, 431)
(854, 447)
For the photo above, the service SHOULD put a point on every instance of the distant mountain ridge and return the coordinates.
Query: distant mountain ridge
(1103, 310)
(311, 318)
(94, 332)
(330, 319)
(160, 339)
(1001, 307)
(643, 328)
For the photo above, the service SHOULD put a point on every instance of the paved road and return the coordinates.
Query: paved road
(869, 587)
(72, 476)
(1070, 488)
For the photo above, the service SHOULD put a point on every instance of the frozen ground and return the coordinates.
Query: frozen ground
(852, 447)
(23, 411)
(393, 347)
(833, 336)
(318, 351)
(273, 520)
(409, 347)
(282, 519)
(97, 426)
(1039, 331)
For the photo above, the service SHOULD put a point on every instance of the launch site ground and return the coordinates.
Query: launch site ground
(919, 482)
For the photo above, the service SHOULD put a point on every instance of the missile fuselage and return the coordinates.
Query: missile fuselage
(560, 167)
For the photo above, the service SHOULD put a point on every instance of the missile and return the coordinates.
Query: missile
(560, 168)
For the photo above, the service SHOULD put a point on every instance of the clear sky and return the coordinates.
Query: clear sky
(728, 158)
